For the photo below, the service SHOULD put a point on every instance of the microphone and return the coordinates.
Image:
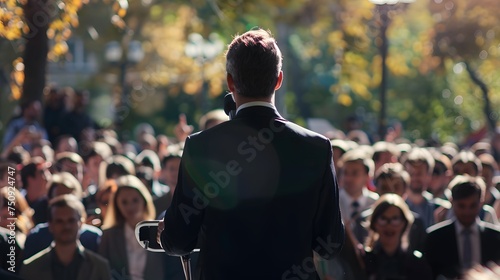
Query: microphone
(229, 105)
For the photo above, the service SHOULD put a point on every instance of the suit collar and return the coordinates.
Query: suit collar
(258, 111)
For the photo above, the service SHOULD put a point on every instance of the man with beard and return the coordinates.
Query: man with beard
(419, 164)
(66, 258)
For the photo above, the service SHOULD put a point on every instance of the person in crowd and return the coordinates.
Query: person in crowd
(40, 236)
(489, 168)
(457, 244)
(114, 167)
(129, 205)
(66, 258)
(102, 198)
(386, 251)
(441, 176)
(53, 113)
(278, 198)
(25, 128)
(168, 175)
(384, 152)
(66, 143)
(72, 163)
(149, 158)
(42, 149)
(76, 120)
(393, 178)
(340, 147)
(93, 155)
(419, 163)
(212, 119)
(34, 177)
(466, 162)
(357, 169)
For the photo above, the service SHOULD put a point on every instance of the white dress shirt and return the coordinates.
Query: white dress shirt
(365, 201)
(136, 255)
(255, 103)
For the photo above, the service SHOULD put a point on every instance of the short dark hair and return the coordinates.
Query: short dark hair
(254, 61)
(464, 186)
(67, 200)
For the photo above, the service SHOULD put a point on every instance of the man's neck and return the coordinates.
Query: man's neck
(66, 252)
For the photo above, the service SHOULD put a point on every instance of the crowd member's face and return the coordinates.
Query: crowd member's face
(93, 164)
(394, 185)
(131, 205)
(419, 177)
(73, 168)
(467, 209)
(439, 181)
(40, 179)
(354, 177)
(390, 225)
(171, 171)
(65, 225)
(461, 168)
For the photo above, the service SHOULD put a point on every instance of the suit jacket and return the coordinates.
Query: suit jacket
(441, 247)
(39, 266)
(261, 194)
(113, 247)
(40, 238)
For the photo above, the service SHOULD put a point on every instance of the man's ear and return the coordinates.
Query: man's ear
(230, 83)
(279, 81)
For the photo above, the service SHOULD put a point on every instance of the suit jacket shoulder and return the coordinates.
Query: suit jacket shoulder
(439, 227)
(37, 266)
(94, 267)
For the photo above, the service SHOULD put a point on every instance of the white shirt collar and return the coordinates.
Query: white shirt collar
(255, 103)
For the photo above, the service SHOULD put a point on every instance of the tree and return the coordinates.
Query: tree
(464, 31)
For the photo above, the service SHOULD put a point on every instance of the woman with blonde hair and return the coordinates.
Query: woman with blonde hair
(130, 204)
(386, 254)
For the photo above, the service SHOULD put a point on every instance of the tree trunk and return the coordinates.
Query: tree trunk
(490, 117)
(39, 14)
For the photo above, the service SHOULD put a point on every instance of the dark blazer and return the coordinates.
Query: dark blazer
(40, 238)
(441, 247)
(113, 248)
(39, 266)
(261, 194)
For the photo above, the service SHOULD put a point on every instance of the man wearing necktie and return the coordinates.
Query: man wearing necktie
(456, 245)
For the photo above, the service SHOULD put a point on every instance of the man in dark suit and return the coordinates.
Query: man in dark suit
(256, 194)
(66, 258)
(455, 245)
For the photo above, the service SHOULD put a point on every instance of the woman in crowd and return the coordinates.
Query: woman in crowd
(130, 204)
(386, 255)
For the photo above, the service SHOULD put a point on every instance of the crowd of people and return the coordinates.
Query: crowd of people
(416, 212)
(76, 193)
(72, 194)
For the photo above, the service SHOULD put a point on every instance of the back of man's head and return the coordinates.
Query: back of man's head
(254, 61)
